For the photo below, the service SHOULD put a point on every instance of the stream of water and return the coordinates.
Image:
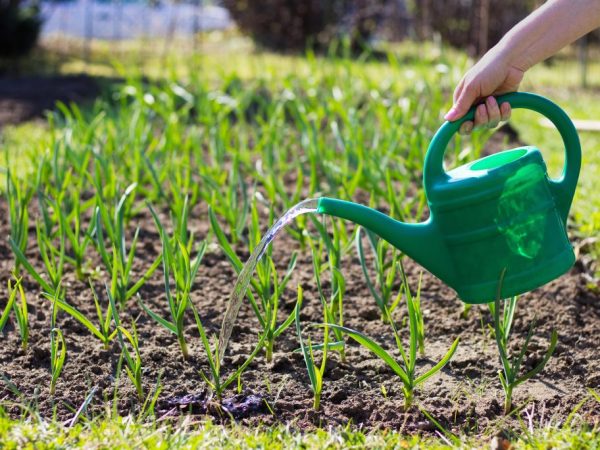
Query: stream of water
(243, 281)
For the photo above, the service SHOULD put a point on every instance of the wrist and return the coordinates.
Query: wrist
(511, 53)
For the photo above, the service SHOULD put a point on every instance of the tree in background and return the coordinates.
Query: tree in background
(293, 25)
(473, 25)
(20, 25)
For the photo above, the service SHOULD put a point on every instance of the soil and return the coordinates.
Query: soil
(29, 97)
(465, 396)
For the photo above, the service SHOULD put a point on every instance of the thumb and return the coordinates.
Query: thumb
(462, 104)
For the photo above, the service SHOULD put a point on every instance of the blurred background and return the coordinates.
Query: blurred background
(93, 37)
(71, 26)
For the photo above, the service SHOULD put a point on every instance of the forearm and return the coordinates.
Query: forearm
(548, 29)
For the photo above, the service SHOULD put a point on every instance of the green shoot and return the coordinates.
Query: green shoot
(387, 270)
(58, 349)
(233, 205)
(214, 380)
(9, 304)
(53, 258)
(315, 372)
(19, 308)
(405, 368)
(18, 197)
(132, 358)
(78, 239)
(386, 262)
(511, 367)
(178, 264)
(416, 301)
(333, 306)
(103, 330)
(271, 287)
(119, 266)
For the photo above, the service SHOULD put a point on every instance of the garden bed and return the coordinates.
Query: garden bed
(465, 396)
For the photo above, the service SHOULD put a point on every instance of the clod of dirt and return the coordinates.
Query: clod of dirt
(238, 406)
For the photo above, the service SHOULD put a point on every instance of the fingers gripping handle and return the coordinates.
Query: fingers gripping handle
(563, 188)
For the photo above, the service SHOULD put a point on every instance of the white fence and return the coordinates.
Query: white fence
(125, 20)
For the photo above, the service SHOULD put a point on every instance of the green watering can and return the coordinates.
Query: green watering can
(499, 214)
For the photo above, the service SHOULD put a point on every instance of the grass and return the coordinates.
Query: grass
(126, 433)
(193, 131)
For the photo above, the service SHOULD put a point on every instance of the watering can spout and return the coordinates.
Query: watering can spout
(420, 241)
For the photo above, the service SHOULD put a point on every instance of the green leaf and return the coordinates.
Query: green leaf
(9, 304)
(223, 242)
(23, 261)
(168, 325)
(76, 314)
(59, 359)
(537, 369)
(310, 367)
(375, 348)
(440, 365)
(136, 287)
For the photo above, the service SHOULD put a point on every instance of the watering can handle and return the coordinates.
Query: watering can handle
(562, 188)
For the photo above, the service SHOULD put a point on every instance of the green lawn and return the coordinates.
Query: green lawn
(124, 433)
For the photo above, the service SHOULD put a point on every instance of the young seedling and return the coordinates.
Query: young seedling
(58, 348)
(511, 367)
(266, 283)
(79, 240)
(18, 196)
(333, 305)
(19, 308)
(233, 204)
(9, 305)
(52, 256)
(177, 264)
(315, 371)
(132, 358)
(416, 301)
(386, 262)
(405, 367)
(214, 380)
(103, 331)
(119, 265)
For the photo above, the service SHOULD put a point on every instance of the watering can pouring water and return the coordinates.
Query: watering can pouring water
(499, 216)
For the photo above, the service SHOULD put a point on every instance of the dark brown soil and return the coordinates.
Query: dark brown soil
(465, 396)
(28, 97)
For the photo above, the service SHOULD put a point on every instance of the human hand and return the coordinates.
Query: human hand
(492, 75)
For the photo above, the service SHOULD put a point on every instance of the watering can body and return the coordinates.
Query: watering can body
(497, 226)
